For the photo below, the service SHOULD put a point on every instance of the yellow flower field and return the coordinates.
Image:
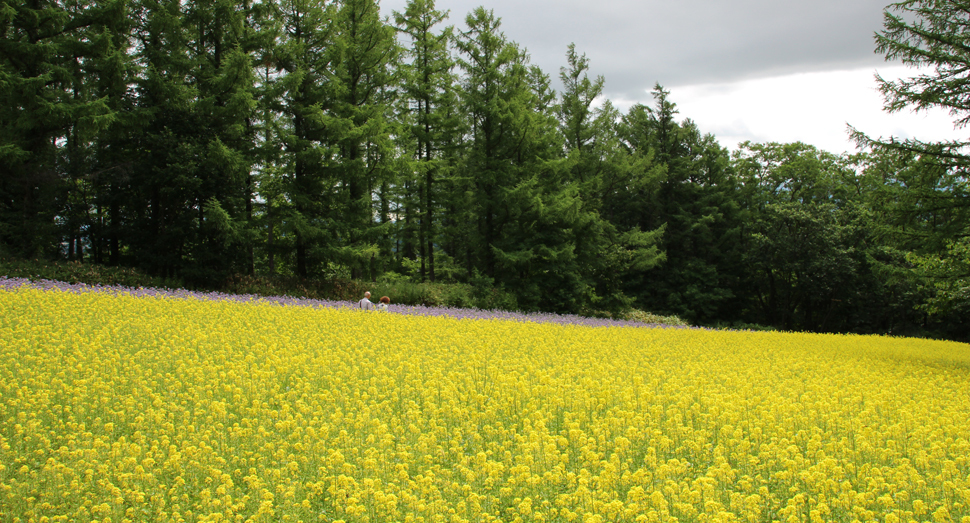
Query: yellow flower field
(117, 408)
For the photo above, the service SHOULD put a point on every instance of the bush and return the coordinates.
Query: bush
(495, 299)
(457, 295)
(406, 293)
(77, 272)
(649, 317)
(742, 326)
(322, 289)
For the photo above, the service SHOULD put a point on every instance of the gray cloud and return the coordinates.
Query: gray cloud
(635, 44)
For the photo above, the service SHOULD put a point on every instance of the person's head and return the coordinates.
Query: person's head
(367, 294)
(385, 300)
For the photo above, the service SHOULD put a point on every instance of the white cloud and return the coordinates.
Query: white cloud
(759, 70)
(814, 108)
(635, 43)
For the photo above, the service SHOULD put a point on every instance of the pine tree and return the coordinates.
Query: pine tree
(693, 207)
(495, 74)
(534, 233)
(44, 102)
(931, 35)
(583, 126)
(363, 107)
(607, 251)
(428, 96)
(196, 98)
(224, 76)
(113, 79)
(102, 70)
(306, 87)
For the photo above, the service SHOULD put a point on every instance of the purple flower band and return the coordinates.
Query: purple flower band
(414, 310)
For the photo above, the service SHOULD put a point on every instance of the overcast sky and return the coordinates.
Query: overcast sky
(759, 70)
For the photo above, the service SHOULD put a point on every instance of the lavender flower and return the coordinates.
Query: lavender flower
(413, 310)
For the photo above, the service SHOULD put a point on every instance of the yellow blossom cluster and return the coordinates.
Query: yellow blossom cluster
(118, 408)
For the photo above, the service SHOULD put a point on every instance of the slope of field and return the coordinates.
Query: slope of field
(410, 310)
(138, 408)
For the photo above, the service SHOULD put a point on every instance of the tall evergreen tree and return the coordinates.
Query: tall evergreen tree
(363, 105)
(533, 234)
(42, 45)
(931, 36)
(428, 97)
(694, 207)
(196, 93)
(224, 76)
(163, 180)
(544, 221)
(917, 230)
(582, 125)
(306, 86)
(113, 80)
(608, 251)
(495, 74)
(85, 219)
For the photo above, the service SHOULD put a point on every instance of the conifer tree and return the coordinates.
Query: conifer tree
(931, 36)
(44, 101)
(224, 75)
(362, 109)
(306, 88)
(530, 217)
(591, 147)
(691, 206)
(494, 75)
(163, 178)
(428, 100)
(101, 69)
(113, 79)
(583, 126)
(196, 100)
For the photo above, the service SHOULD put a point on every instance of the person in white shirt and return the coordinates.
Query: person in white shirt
(365, 303)
(382, 305)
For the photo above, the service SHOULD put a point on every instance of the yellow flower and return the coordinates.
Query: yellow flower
(200, 410)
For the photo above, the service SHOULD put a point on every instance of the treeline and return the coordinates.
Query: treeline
(205, 139)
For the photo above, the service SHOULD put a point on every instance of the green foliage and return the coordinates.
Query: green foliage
(459, 295)
(50, 54)
(427, 112)
(301, 147)
(693, 201)
(88, 273)
(930, 35)
(299, 82)
(804, 264)
(408, 293)
(921, 189)
(948, 274)
(653, 319)
(400, 291)
(360, 131)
